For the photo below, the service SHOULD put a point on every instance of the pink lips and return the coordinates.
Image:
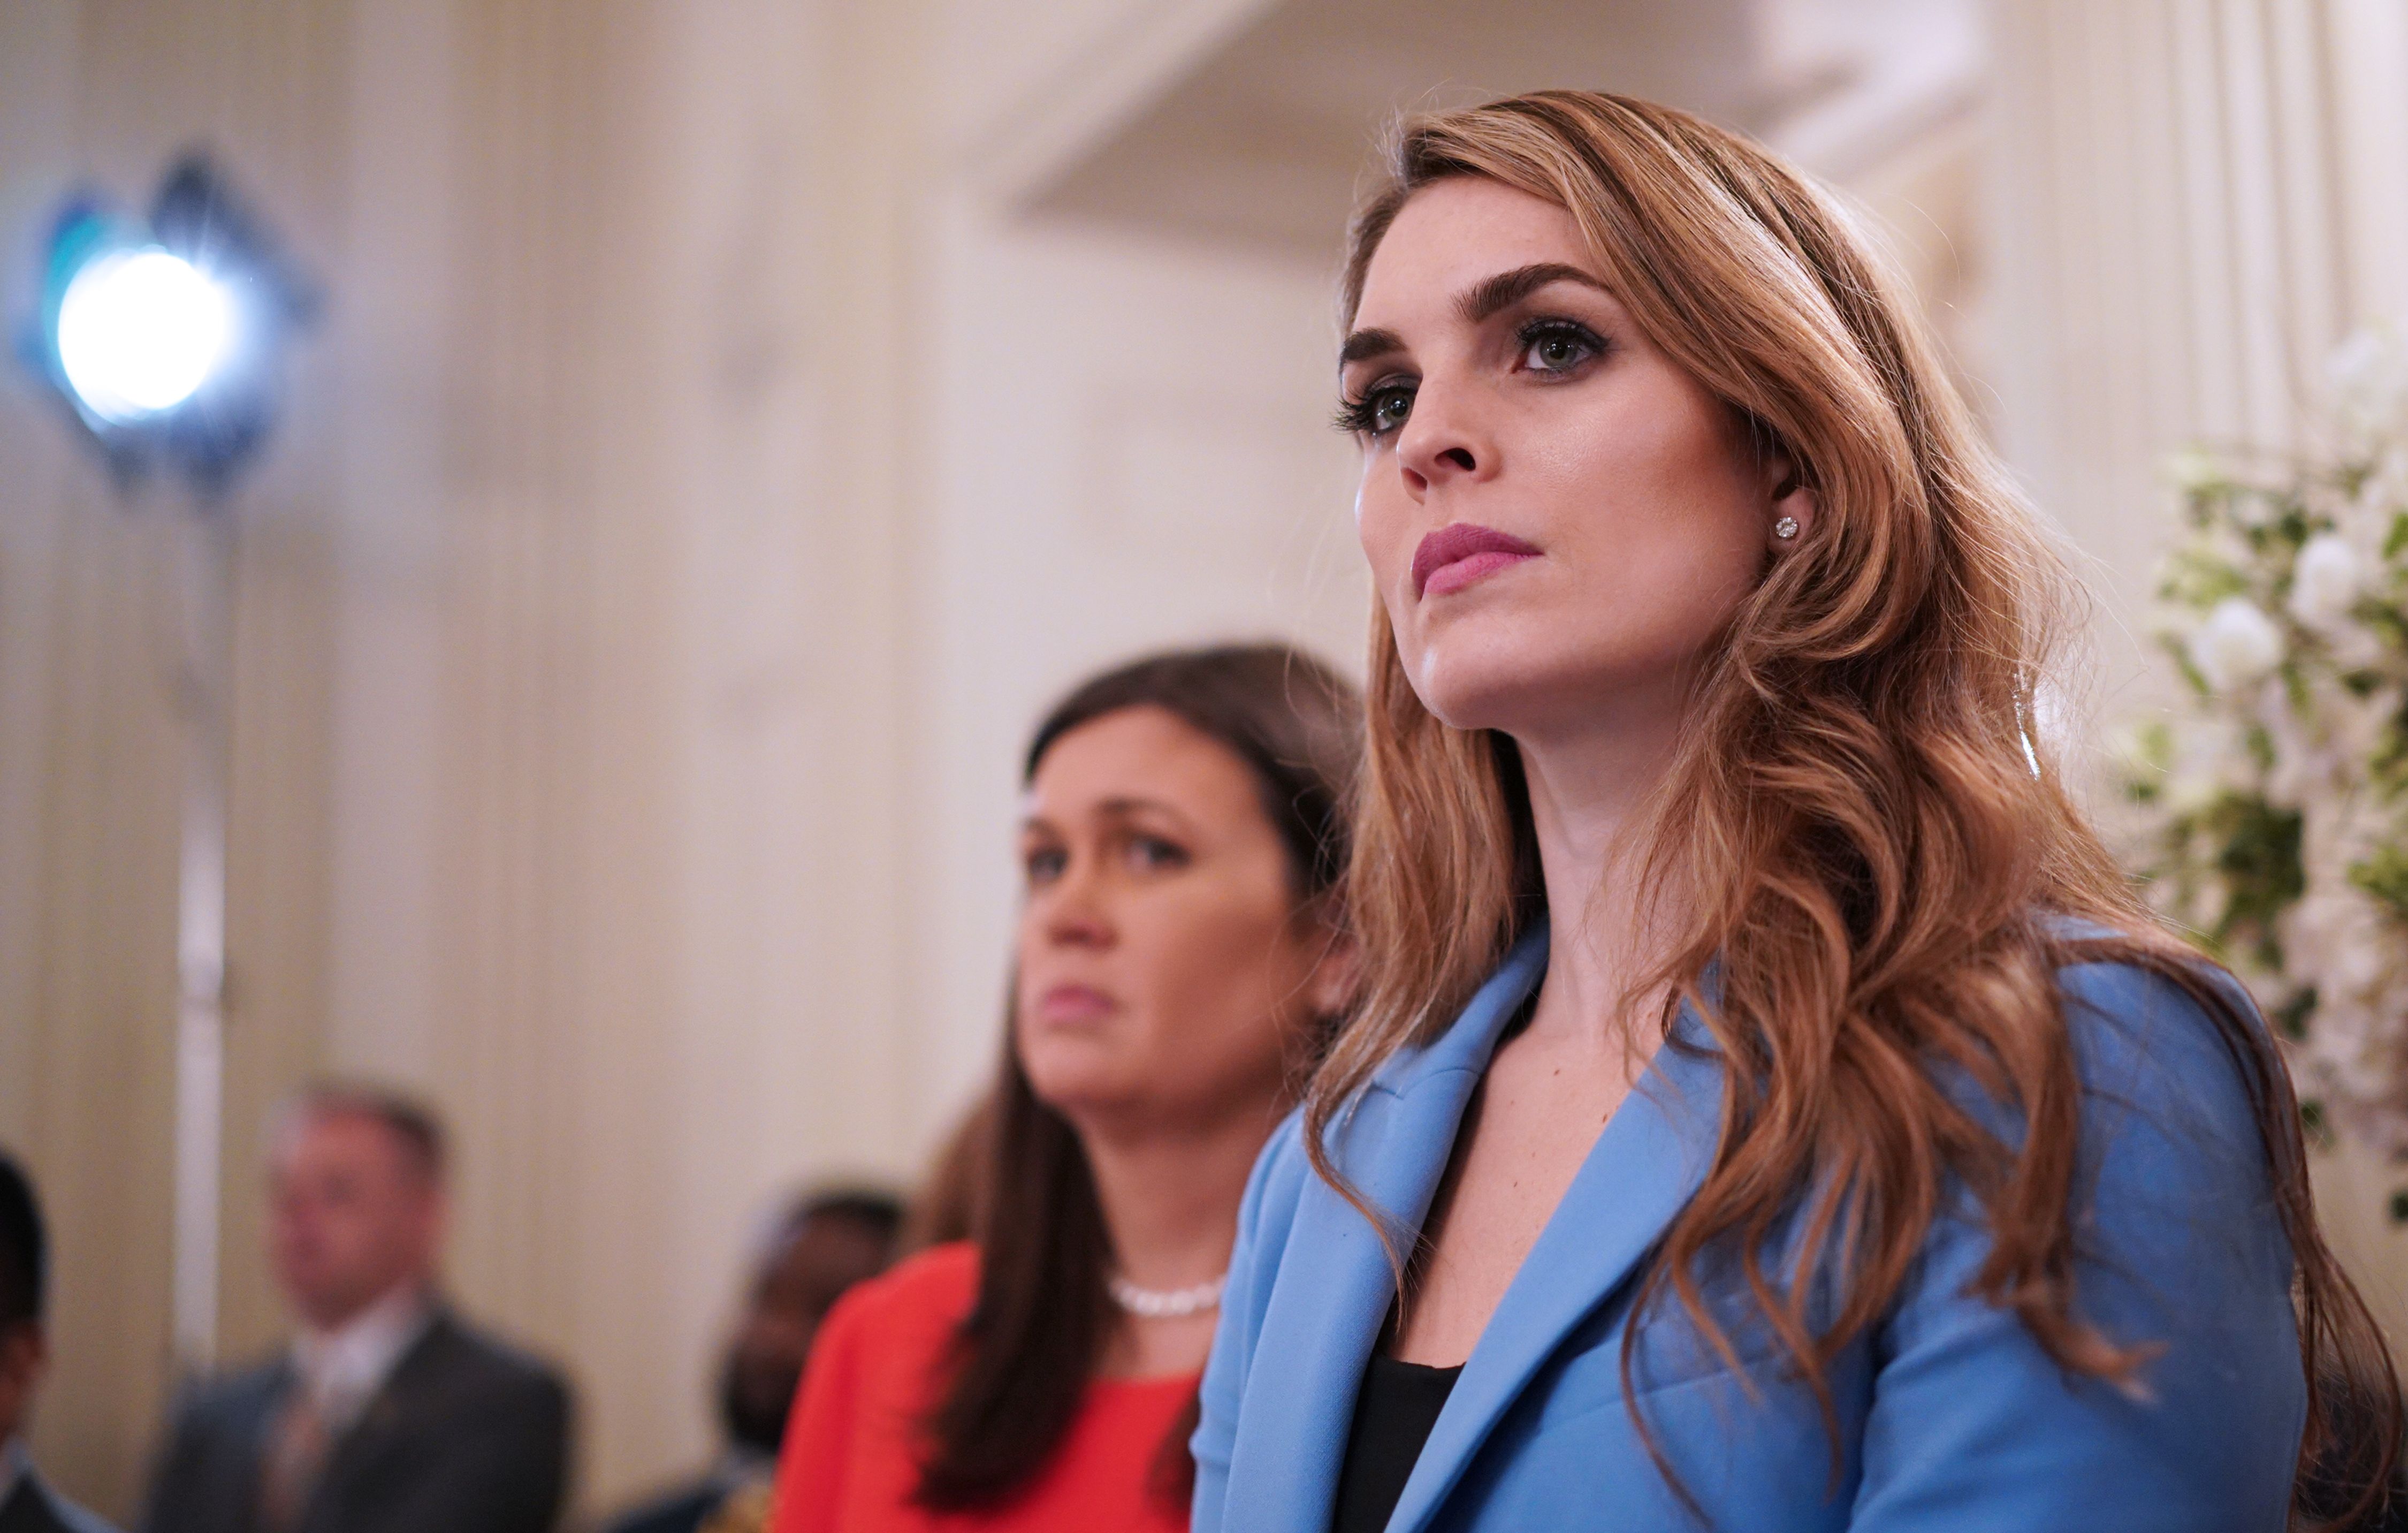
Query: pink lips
(1074, 1003)
(1454, 557)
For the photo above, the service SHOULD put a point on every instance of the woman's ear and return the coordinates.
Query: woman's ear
(1790, 516)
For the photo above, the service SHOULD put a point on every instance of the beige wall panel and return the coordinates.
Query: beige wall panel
(615, 746)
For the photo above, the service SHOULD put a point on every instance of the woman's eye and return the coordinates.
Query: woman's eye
(1044, 866)
(1559, 347)
(1155, 854)
(1379, 411)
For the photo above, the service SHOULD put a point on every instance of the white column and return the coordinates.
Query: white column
(2193, 200)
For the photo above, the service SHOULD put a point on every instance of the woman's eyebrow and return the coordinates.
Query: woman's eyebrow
(1133, 808)
(1475, 304)
(1363, 344)
(1492, 293)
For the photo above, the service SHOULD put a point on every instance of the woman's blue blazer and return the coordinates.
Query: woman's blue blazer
(1949, 1417)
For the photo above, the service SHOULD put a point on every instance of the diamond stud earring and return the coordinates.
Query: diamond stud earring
(1786, 529)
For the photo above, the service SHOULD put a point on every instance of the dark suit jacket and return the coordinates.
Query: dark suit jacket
(680, 1511)
(35, 1508)
(467, 1436)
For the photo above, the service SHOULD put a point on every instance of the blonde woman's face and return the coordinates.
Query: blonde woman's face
(1558, 518)
(1165, 969)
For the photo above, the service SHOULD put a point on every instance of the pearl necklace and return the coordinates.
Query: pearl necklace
(1166, 1304)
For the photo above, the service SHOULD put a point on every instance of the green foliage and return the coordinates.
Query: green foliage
(2385, 875)
(2291, 1019)
(2186, 666)
(2257, 856)
(2198, 580)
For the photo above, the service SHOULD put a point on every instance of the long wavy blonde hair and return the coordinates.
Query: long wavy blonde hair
(1870, 844)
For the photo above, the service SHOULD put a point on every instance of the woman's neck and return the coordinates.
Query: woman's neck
(1169, 1196)
(1169, 1201)
(1590, 792)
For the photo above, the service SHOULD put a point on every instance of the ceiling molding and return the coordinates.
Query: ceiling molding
(1096, 93)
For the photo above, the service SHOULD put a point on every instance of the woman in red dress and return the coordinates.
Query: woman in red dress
(1180, 966)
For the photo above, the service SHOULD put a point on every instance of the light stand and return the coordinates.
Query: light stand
(162, 338)
(205, 709)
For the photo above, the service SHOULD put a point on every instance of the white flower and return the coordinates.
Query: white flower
(2325, 581)
(2236, 646)
(2387, 487)
(2300, 767)
(2322, 746)
(2370, 374)
(2335, 936)
(2209, 760)
(2193, 470)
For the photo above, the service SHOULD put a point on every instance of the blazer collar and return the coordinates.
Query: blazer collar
(1472, 1038)
(1646, 1165)
(1645, 1168)
(1393, 1141)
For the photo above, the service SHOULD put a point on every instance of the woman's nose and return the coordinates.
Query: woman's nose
(1073, 914)
(1441, 441)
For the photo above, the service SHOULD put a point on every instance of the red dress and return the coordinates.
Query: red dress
(853, 1447)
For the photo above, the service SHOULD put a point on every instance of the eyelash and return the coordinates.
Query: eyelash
(1359, 416)
(1043, 864)
(1161, 852)
(1537, 330)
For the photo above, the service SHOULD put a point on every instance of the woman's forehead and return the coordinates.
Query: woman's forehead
(1136, 755)
(1454, 234)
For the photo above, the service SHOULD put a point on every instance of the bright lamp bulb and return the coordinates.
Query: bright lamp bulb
(140, 332)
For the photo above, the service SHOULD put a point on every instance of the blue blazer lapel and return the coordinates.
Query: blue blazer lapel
(1645, 1166)
(1393, 1142)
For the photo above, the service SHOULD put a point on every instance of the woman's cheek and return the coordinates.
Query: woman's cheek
(1263, 997)
(1378, 526)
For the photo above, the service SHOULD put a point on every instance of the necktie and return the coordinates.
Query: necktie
(296, 1451)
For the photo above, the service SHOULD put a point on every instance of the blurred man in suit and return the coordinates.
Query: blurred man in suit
(826, 1243)
(26, 1505)
(388, 1413)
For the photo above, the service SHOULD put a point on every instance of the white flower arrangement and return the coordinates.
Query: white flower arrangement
(2274, 801)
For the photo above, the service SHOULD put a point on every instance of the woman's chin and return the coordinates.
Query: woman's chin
(1488, 686)
(1083, 1083)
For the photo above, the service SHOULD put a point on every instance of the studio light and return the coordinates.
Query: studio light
(139, 332)
(164, 335)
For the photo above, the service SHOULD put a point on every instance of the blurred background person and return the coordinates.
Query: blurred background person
(26, 1505)
(826, 1242)
(388, 1413)
(1180, 964)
